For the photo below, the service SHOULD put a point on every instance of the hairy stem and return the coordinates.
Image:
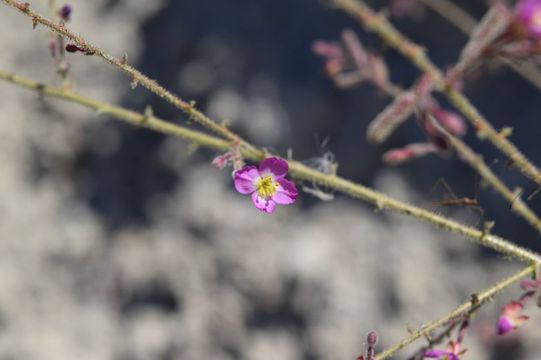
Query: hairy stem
(517, 205)
(298, 170)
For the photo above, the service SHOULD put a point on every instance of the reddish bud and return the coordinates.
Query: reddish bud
(23, 6)
(333, 55)
(423, 89)
(451, 121)
(495, 22)
(221, 161)
(530, 284)
(372, 338)
(395, 157)
(434, 134)
(64, 12)
(511, 319)
(406, 8)
(53, 45)
(355, 48)
(391, 117)
(72, 48)
(327, 49)
(377, 69)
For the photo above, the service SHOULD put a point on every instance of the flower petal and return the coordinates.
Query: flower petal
(265, 205)
(505, 325)
(527, 12)
(440, 354)
(434, 353)
(245, 179)
(274, 165)
(286, 193)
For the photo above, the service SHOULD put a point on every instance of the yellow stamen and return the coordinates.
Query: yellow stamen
(266, 186)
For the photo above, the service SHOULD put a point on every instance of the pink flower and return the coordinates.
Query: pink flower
(452, 353)
(441, 354)
(528, 14)
(65, 12)
(511, 319)
(266, 184)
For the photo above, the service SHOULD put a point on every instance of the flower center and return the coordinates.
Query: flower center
(266, 186)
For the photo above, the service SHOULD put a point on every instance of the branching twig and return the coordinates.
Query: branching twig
(382, 27)
(297, 169)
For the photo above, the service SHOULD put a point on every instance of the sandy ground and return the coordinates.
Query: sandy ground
(206, 277)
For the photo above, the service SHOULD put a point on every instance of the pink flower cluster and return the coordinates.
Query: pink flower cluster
(452, 352)
(420, 103)
(454, 348)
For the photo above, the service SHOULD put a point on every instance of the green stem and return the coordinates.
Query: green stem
(297, 169)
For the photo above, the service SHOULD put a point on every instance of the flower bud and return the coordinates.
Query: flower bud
(391, 117)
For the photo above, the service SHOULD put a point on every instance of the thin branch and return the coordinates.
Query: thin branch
(417, 55)
(476, 162)
(475, 301)
(136, 76)
(298, 170)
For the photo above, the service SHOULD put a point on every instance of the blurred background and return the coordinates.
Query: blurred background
(120, 243)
